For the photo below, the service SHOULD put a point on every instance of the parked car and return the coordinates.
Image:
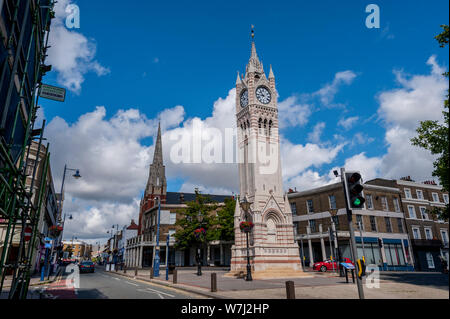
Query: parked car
(87, 266)
(328, 264)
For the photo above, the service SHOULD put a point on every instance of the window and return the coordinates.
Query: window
(30, 167)
(412, 212)
(294, 208)
(171, 232)
(400, 225)
(309, 206)
(416, 232)
(435, 197)
(388, 224)
(428, 233)
(359, 220)
(445, 196)
(332, 200)
(394, 254)
(419, 194)
(444, 235)
(312, 225)
(396, 204)
(369, 201)
(173, 218)
(373, 223)
(336, 222)
(423, 212)
(408, 193)
(430, 260)
(384, 203)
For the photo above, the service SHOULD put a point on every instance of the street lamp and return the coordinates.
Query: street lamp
(199, 234)
(245, 205)
(333, 213)
(157, 261)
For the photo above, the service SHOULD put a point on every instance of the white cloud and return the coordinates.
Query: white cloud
(295, 159)
(71, 54)
(315, 135)
(347, 123)
(291, 113)
(327, 93)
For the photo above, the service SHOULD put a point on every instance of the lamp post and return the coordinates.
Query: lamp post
(337, 253)
(245, 205)
(156, 261)
(199, 231)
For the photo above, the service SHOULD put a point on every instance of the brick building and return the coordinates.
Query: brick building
(428, 234)
(380, 226)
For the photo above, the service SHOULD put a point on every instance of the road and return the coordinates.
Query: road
(104, 285)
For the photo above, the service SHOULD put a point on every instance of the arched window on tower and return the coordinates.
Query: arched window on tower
(260, 126)
(248, 127)
(265, 127)
(270, 127)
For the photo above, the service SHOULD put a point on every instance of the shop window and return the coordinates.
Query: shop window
(430, 260)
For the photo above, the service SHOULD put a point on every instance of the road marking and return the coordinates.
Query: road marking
(118, 279)
(130, 283)
(160, 292)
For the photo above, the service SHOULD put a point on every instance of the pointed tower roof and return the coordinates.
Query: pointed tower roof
(158, 155)
(238, 80)
(254, 65)
(271, 76)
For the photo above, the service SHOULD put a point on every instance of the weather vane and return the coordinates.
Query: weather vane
(253, 32)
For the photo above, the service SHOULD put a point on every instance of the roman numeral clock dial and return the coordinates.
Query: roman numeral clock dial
(263, 95)
(244, 98)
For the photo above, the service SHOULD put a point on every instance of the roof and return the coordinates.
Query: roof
(133, 226)
(174, 197)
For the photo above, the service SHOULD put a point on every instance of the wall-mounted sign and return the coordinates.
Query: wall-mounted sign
(52, 93)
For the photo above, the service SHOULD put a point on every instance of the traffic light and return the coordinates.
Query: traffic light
(354, 189)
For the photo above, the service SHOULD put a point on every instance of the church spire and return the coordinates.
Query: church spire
(158, 155)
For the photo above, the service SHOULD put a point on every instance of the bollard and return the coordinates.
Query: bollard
(346, 275)
(136, 271)
(213, 282)
(353, 275)
(125, 269)
(151, 273)
(290, 290)
(175, 273)
(116, 268)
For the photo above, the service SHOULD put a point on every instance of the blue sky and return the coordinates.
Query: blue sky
(153, 56)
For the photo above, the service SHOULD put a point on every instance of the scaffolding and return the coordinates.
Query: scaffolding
(24, 29)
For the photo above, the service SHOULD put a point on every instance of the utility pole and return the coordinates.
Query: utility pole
(352, 234)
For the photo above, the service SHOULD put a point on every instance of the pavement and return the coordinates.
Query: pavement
(35, 280)
(392, 285)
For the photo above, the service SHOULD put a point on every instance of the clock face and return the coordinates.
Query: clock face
(263, 95)
(244, 98)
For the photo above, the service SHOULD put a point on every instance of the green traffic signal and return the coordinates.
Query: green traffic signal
(357, 202)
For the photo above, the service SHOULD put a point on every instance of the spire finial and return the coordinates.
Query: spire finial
(253, 32)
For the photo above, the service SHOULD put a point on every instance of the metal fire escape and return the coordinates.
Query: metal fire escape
(26, 39)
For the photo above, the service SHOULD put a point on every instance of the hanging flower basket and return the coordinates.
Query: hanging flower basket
(199, 233)
(56, 229)
(246, 226)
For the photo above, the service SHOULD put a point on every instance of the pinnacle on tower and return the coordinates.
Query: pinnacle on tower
(271, 76)
(238, 80)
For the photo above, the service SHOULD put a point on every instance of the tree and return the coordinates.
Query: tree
(224, 221)
(189, 222)
(434, 136)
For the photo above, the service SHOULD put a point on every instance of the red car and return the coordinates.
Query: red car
(328, 264)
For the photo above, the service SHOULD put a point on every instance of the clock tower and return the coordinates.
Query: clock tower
(273, 249)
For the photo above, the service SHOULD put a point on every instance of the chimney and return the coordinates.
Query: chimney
(181, 198)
